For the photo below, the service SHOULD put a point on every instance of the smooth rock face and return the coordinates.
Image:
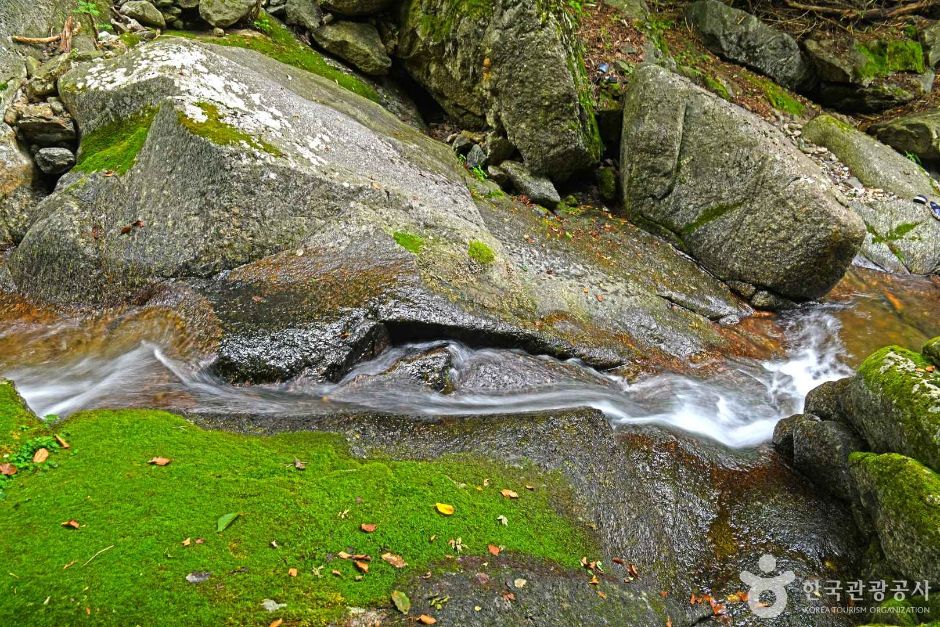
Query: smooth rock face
(894, 403)
(731, 190)
(918, 134)
(144, 12)
(304, 13)
(539, 189)
(225, 13)
(903, 499)
(821, 450)
(902, 236)
(742, 38)
(506, 64)
(355, 42)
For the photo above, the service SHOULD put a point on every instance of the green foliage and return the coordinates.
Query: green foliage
(130, 39)
(281, 44)
(87, 7)
(409, 241)
(779, 98)
(478, 172)
(480, 252)
(899, 232)
(219, 132)
(717, 86)
(576, 6)
(114, 147)
(263, 23)
(656, 28)
(288, 518)
(913, 157)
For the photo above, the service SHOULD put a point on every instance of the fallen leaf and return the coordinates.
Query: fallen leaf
(401, 601)
(7, 470)
(509, 494)
(444, 508)
(336, 572)
(395, 560)
(594, 580)
(531, 488)
(362, 557)
(509, 596)
(343, 555)
(187, 542)
(224, 521)
(502, 519)
(668, 622)
(198, 576)
(368, 527)
(519, 583)
(160, 461)
(40, 455)
(493, 549)
(424, 619)
(277, 623)
(292, 572)
(200, 540)
(602, 594)
(617, 560)
(632, 570)
(362, 566)
(299, 465)
(71, 524)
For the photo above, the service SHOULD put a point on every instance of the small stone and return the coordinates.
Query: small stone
(476, 158)
(55, 160)
(539, 189)
(218, 32)
(198, 576)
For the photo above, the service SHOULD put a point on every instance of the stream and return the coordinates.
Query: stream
(737, 405)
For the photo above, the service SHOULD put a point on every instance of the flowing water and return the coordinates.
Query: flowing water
(737, 404)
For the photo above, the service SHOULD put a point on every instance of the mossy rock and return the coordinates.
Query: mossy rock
(902, 497)
(931, 351)
(894, 403)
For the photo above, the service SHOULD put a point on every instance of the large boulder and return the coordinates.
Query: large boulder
(225, 13)
(357, 7)
(355, 42)
(509, 64)
(731, 190)
(744, 39)
(868, 76)
(306, 213)
(902, 497)
(902, 235)
(894, 403)
(917, 134)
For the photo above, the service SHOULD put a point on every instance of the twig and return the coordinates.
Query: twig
(107, 548)
(865, 14)
(36, 40)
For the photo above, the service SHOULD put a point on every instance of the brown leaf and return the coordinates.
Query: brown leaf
(71, 524)
(362, 557)
(601, 594)
(299, 465)
(368, 527)
(493, 549)
(7, 470)
(618, 560)
(187, 542)
(395, 560)
(292, 572)
(424, 619)
(40, 455)
(509, 596)
(200, 540)
(632, 570)
(62, 443)
(509, 494)
(343, 555)
(159, 461)
(336, 573)
(277, 622)
(363, 567)
(594, 580)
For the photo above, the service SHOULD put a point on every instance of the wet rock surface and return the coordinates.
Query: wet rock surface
(685, 513)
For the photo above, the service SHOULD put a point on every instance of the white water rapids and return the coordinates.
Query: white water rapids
(738, 407)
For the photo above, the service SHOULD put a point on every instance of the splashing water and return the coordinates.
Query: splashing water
(738, 407)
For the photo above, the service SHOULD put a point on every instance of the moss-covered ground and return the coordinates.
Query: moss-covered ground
(276, 41)
(142, 528)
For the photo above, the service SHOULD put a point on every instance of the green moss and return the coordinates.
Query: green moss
(707, 216)
(4, 85)
(114, 147)
(480, 252)
(781, 100)
(279, 43)
(884, 58)
(130, 39)
(607, 183)
(127, 562)
(409, 241)
(907, 493)
(718, 87)
(219, 132)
